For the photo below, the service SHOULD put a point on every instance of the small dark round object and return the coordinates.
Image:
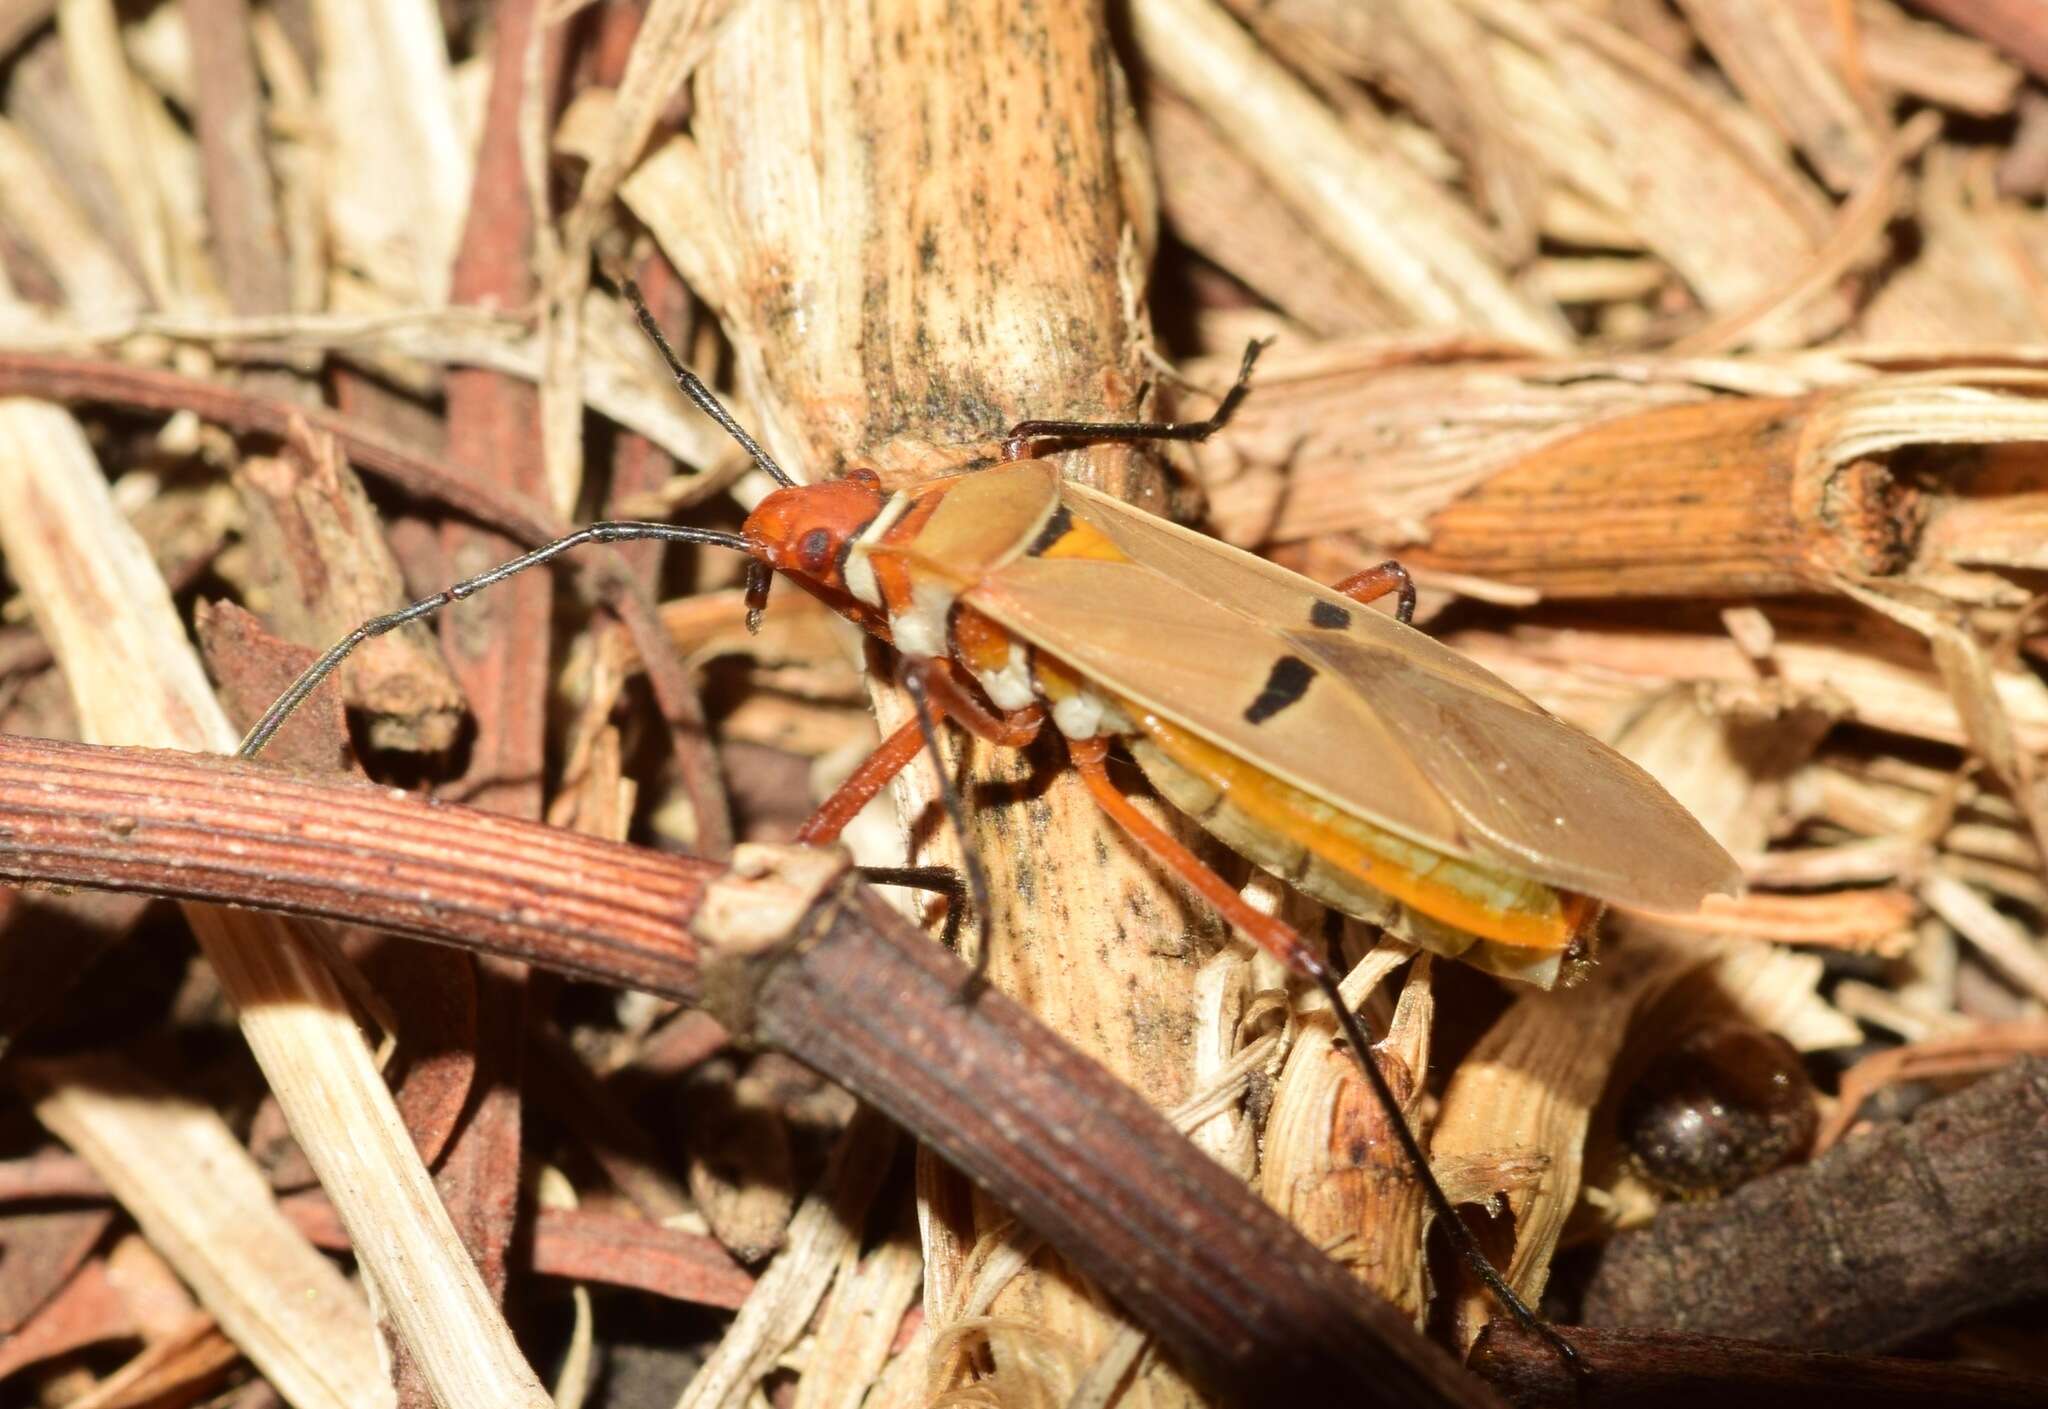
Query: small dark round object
(814, 551)
(1728, 1103)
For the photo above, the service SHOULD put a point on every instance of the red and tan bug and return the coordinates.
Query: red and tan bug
(1356, 758)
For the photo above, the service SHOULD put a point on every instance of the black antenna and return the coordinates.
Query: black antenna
(621, 531)
(616, 532)
(694, 388)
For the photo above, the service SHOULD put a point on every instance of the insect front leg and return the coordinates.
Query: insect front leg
(861, 786)
(933, 681)
(944, 698)
(1017, 445)
(859, 789)
(939, 880)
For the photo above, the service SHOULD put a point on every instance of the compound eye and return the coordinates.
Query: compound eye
(814, 552)
(863, 475)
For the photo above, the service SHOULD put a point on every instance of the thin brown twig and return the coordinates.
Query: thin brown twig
(610, 1249)
(1672, 1370)
(77, 379)
(514, 514)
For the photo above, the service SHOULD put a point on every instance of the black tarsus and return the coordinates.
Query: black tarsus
(939, 880)
(912, 681)
(1468, 1247)
(760, 577)
(1404, 592)
(1026, 433)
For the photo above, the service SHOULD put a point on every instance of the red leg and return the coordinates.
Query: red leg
(1279, 939)
(1275, 936)
(860, 786)
(950, 699)
(946, 698)
(936, 694)
(1371, 584)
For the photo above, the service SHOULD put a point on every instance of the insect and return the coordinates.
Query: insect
(1358, 759)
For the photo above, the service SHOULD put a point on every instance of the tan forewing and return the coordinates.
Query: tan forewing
(1393, 727)
(1270, 593)
(984, 518)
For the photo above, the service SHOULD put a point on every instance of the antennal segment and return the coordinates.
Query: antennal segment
(694, 388)
(614, 532)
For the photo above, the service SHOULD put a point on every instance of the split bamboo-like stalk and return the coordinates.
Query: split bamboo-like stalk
(957, 272)
(177, 1168)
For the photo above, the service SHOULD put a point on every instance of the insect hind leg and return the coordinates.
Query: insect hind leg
(1279, 939)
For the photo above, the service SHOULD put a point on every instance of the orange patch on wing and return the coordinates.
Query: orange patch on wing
(1550, 922)
(1084, 540)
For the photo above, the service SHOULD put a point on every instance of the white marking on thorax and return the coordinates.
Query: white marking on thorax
(921, 631)
(1010, 688)
(859, 573)
(1078, 716)
(1085, 714)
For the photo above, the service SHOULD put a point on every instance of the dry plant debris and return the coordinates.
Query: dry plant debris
(1692, 353)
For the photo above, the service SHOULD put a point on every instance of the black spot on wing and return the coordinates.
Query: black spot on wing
(1056, 528)
(1286, 684)
(1328, 615)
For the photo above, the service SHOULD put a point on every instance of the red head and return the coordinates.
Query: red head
(803, 531)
